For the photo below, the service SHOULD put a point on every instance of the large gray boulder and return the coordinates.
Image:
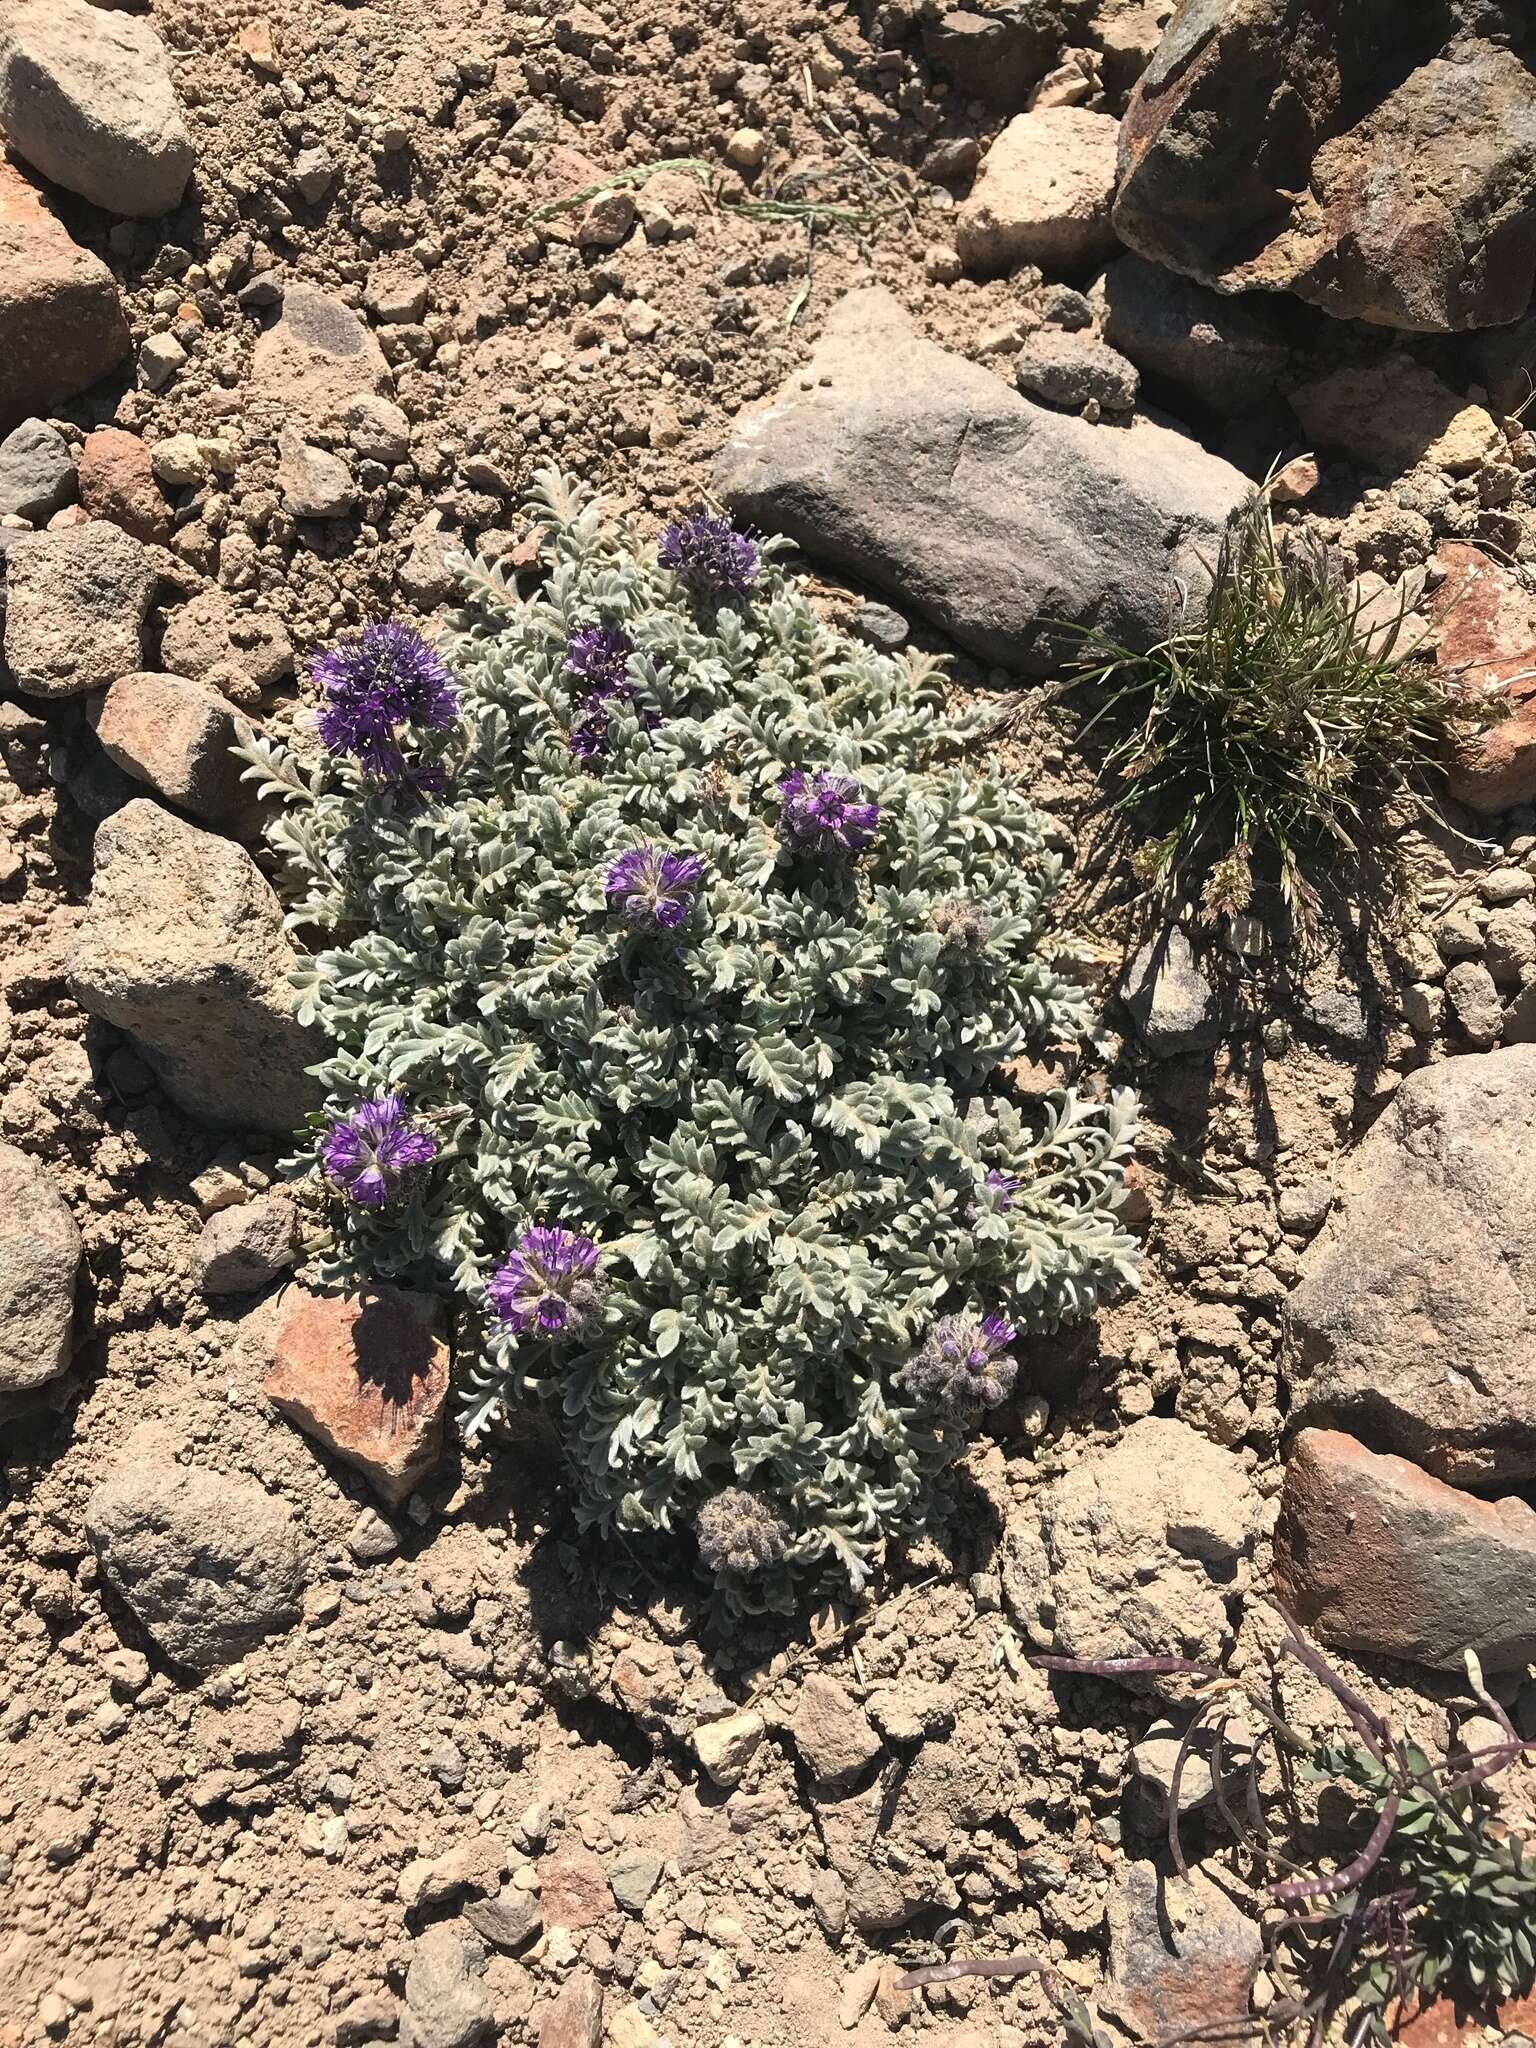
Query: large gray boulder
(183, 948)
(1414, 1324)
(1377, 160)
(1009, 525)
(39, 1260)
(208, 1565)
(86, 98)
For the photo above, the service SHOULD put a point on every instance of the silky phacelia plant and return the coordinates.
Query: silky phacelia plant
(739, 1533)
(710, 555)
(728, 1149)
(372, 1153)
(824, 813)
(384, 694)
(653, 890)
(964, 1365)
(549, 1283)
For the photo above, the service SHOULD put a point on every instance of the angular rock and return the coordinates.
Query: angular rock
(315, 484)
(247, 1246)
(634, 1876)
(117, 482)
(315, 357)
(475, 1864)
(1075, 370)
(1373, 1554)
(1474, 998)
(446, 2004)
(575, 2019)
(1414, 1322)
(1005, 523)
(367, 1377)
(507, 1920)
(177, 736)
(832, 1733)
(1392, 413)
(726, 1747)
(183, 948)
(1042, 195)
(86, 97)
(37, 472)
(371, 1539)
(1173, 1004)
(423, 573)
(209, 1566)
(1135, 1551)
(61, 321)
(1126, 34)
(368, 2020)
(1190, 344)
(1407, 195)
(377, 429)
(1485, 644)
(76, 603)
(1182, 1955)
(573, 1890)
(215, 640)
(161, 357)
(997, 54)
(39, 1262)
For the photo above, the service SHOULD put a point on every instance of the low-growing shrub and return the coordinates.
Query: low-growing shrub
(671, 952)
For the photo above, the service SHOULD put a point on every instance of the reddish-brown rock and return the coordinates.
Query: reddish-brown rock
(61, 321)
(1485, 627)
(367, 1376)
(177, 736)
(117, 483)
(573, 1890)
(1373, 1554)
(1446, 2024)
(1182, 1953)
(575, 2020)
(1375, 159)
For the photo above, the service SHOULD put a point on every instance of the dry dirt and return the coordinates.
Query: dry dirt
(232, 1860)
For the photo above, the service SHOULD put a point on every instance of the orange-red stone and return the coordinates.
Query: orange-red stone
(367, 1377)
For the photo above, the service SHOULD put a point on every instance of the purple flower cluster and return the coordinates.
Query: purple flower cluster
(998, 1191)
(825, 812)
(599, 655)
(654, 890)
(964, 1366)
(379, 687)
(710, 555)
(373, 1153)
(549, 1284)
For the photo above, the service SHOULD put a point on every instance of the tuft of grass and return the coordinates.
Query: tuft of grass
(1259, 737)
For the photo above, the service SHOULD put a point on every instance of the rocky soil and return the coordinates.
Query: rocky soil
(315, 1730)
